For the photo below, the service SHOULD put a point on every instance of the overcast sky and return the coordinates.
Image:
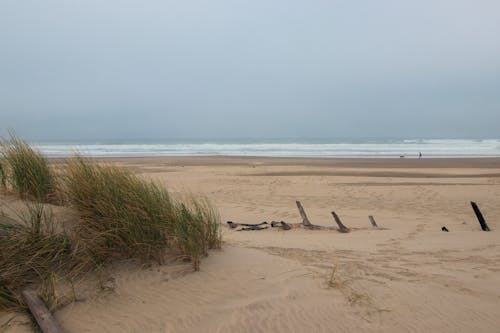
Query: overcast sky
(119, 69)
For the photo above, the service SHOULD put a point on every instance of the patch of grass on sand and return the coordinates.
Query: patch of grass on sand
(125, 216)
(32, 252)
(26, 171)
(122, 216)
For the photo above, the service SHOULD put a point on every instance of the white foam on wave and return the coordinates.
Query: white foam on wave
(408, 148)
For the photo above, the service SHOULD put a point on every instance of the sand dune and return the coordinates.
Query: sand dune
(409, 277)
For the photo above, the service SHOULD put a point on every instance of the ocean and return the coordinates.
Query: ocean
(366, 148)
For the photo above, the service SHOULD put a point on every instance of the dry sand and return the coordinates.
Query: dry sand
(409, 277)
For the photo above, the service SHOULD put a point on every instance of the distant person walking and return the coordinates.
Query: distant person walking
(419, 154)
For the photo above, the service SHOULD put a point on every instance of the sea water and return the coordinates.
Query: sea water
(396, 148)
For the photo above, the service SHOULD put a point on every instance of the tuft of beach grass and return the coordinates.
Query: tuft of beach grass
(122, 216)
(3, 176)
(33, 252)
(26, 171)
(125, 216)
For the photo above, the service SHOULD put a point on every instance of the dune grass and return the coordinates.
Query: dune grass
(26, 171)
(126, 216)
(122, 216)
(3, 176)
(195, 229)
(32, 252)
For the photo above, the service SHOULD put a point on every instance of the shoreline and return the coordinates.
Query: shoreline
(338, 162)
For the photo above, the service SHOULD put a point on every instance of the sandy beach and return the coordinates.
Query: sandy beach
(407, 276)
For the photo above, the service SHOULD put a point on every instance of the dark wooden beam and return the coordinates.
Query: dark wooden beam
(479, 216)
(42, 315)
(305, 220)
(342, 227)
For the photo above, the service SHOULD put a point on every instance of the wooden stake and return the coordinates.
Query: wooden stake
(479, 216)
(372, 221)
(43, 317)
(305, 220)
(342, 227)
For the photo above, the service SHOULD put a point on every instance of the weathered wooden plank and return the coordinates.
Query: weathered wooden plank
(252, 228)
(234, 225)
(305, 220)
(42, 315)
(479, 216)
(281, 224)
(342, 227)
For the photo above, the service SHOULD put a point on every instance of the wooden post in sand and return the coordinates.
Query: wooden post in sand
(305, 220)
(372, 221)
(479, 216)
(43, 317)
(342, 227)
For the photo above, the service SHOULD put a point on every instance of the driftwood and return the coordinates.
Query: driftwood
(254, 227)
(479, 216)
(287, 226)
(306, 223)
(342, 227)
(281, 224)
(305, 220)
(234, 225)
(43, 317)
(372, 221)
